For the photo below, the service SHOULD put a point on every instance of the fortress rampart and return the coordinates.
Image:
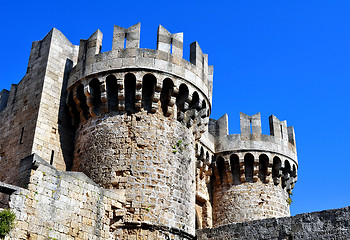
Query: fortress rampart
(128, 132)
(139, 114)
(254, 173)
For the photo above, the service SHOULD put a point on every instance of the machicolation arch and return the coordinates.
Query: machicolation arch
(152, 93)
(251, 167)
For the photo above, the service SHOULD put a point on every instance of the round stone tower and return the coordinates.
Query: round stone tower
(139, 113)
(253, 173)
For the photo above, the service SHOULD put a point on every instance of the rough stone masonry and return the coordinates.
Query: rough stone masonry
(119, 145)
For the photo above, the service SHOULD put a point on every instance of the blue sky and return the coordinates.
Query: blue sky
(287, 58)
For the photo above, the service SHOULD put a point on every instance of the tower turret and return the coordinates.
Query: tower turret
(139, 113)
(253, 173)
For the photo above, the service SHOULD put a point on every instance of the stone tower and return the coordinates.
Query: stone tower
(139, 114)
(253, 173)
(119, 145)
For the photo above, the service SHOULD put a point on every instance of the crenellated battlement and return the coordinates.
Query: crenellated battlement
(281, 138)
(136, 121)
(255, 171)
(129, 79)
(279, 145)
(126, 54)
(134, 91)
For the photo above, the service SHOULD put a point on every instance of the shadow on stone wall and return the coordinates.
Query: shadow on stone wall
(65, 129)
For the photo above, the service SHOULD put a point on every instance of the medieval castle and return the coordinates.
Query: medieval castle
(119, 145)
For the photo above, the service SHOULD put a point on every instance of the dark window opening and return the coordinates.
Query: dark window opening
(276, 166)
(249, 167)
(21, 138)
(148, 88)
(112, 93)
(165, 95)
(195, 101)
(281, 131)
(263, 165)
(130, 90)
(182, 97)
(221, 168)
(286, 173)
(234, 161)
(204, 106)
(82, 99)
(95, 94)
(52, 156)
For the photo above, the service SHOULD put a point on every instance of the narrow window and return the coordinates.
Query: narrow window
(286, 173)
(21, 138)
(281, 131)
(234, 161)
(52, 156)
(201, 156)
(95, 94)
(195, 101)
(82, 99)
(221, 168)
(182, 98)
(276, 170)
(112, 93)
(165, 95)
(148, 88)
(204, 106)
(263, 164)
(130, 88)
(294, 172)
(249, 167)
(250, 125)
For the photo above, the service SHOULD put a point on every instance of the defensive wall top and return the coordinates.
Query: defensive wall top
(281, 139)
(126, 54)
(88, 60)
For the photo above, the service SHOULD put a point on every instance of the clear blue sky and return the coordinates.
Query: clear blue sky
(287, 58)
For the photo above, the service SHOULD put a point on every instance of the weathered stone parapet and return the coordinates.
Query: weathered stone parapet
(132, 91)
(254, 174)
(252, 139)
(92, 61)
(329, 224)
(61, 205)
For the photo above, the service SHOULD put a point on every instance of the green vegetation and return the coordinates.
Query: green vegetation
(179, 146)
(289, 200)
(7, 218)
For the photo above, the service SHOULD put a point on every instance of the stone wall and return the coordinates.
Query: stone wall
(54, 136)
(149, 156)
(329, 224)
(62, 205)
(18, 118)
(69, 205)
(253, 173)
(248, 201)
(34, 117)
